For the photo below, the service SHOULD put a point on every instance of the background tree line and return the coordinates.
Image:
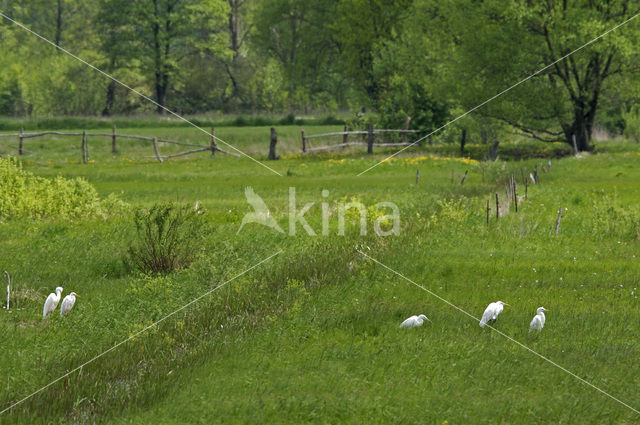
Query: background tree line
(427, 59)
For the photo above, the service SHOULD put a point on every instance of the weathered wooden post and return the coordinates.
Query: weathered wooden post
(20, 141)
(464, 177)
(407, 120)
(575, 145)
(155, 148)
(463, 141)
(304, 143)
(497, 207)
(345, 136)
(515, 191)
(272, 145)
(370, 138)
(488, 211)
(8, 288)
(213, 141)
(558, 221)
(418, 176)
(113, 139)
(85, 151)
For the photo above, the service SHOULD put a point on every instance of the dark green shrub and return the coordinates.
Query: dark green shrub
(167, 238)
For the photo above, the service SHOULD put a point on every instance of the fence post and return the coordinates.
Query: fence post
(418, 176)
(345, 136)
(85, 151)
(514, 184)
(407, 120)
(8, 288)
(155, 148)
(113, 139)
(370, 138)
(213, 141)
(558, 221)
(20, 141)
(272, 145)
(304, 144)
(497, 207)
(575, 145)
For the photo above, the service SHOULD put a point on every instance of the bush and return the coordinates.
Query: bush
(24, 195)
(167, 237)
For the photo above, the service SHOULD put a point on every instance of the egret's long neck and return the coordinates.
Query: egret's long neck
(541, 314)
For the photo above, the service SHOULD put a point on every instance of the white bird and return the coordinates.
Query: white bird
(491, 312)
(414, 321)
(67, 303)
(537, 323)
(52, 302)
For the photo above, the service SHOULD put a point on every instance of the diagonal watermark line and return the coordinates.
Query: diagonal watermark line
(500, 332)
(139, 332)
(504, 91)
(137, 92)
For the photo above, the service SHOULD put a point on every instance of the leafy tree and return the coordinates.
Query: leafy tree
(297, 35)
(167, 31)
(360, 26)
(405, 68)
(501, 42)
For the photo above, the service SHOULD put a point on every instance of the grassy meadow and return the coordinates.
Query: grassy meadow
(311, 336)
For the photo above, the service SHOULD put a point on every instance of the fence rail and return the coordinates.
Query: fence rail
(21, 136)
(370, 134)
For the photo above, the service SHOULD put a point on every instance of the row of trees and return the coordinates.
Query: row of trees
(429, 59)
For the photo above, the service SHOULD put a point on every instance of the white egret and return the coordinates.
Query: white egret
(414, 321)
(67, 303)
(52, 302)
(491, 312)
(537, 323)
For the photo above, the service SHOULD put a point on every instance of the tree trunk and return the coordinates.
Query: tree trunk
(58, 36)
(110, 99)
(581, 127)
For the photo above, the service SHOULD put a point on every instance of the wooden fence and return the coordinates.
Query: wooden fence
(360, 138)
(212, 147)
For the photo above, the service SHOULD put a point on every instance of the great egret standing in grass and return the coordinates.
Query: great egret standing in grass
(414, 321)
(52, 302)
(67, 303)
(491, 312)
(537, 323)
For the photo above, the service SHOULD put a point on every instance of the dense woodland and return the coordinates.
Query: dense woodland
(428, 59)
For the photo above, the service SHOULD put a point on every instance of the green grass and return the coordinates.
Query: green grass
(312, 336)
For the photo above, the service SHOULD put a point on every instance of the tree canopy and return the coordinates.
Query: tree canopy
(427, 59)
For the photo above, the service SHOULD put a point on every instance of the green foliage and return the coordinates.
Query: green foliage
(632, 123)
(613, 218)
(316, 327)
(26, 195)
(168, 236)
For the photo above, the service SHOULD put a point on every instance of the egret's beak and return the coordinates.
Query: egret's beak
(546, 309)
(77, 295)
(429, 320)
(508, 305)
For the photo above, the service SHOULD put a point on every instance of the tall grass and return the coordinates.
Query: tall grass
(312, 336)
